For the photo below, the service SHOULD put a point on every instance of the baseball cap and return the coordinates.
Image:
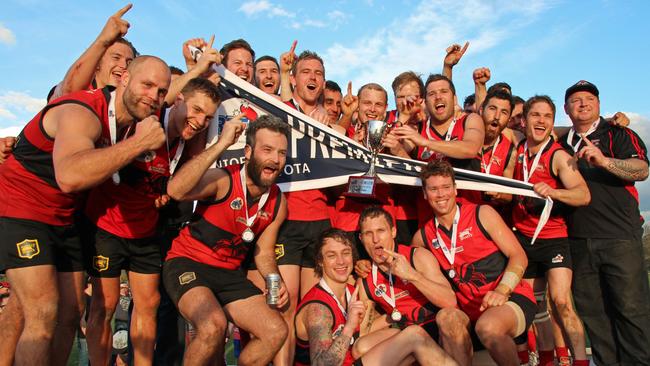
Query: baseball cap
(582, 85)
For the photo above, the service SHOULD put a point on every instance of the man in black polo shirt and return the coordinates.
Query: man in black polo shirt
(610, 281)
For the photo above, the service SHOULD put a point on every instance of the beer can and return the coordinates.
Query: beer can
(273, 288)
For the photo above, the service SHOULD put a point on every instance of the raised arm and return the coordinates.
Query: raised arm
(481, 76)
(82, 71)
(286, 62)
(454, 54)
(195, 180)
(78, 165)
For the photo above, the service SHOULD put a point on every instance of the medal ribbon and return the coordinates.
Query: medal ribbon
(450, 129)
(572, 131)
(450, 253)
(179, 150)
(250, 220)
(535, 161)
(486, 168)
(348, 296)
(390, 300)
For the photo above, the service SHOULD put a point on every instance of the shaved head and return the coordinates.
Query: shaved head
(147, 60)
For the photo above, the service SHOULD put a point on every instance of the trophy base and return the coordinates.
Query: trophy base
(368, 187)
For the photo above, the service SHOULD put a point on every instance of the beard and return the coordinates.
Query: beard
(254, 171)
(130, 102)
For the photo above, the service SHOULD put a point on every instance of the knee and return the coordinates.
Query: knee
(212, 330)
(452, 324)
(416, 334)
(489, 332)
(276, 332)
(147, 304)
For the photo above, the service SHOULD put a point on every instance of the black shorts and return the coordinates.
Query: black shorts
(183, 274)
(545, 254)
(107, 255)
(27, 243)
(297, 240)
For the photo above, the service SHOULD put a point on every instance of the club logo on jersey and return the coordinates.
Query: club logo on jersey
(28, 248)
(100, 263)
(496, 160)
(186, 278)
(380, 290)
(401, 294)
(263, 215)
(146, 156)
(557, 259)
(279, 251)
(465, 234)
(435, 243)
(237, 203)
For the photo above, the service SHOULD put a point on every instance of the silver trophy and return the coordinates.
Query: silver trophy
(365, 185)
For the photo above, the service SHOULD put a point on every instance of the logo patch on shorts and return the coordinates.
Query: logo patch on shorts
(28, 248)
(100, 263)
(279, 251)
(186, 278)
(557, 259)
(237, 203)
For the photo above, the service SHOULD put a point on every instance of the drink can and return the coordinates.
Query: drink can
(273, 288)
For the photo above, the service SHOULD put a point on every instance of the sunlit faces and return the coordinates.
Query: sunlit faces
(372, 105)
(440, 193)
(266, 159)
(145, 88)
(496, 115)
(332, 104)
(517, 120)
(199, 110)
(539, 122)
(267, 76)
(338, 260)
(113, 64)
(240, 62)
(583, 107)
(309, 80)
(376, 234)
(439, 100)
(410, 89)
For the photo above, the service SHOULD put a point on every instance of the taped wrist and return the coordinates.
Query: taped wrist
(511, 277)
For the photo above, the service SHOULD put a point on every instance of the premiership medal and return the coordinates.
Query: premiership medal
(379, 292)
(426, 154)
(452, 273)
(395, 315)
(248, 235)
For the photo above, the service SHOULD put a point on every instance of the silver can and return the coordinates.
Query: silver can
(273, 288)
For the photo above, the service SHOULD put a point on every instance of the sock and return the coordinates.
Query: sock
(523, 357)
(546, 358)
(561, 352)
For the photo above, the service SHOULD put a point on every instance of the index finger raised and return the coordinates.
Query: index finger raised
(123, 11)
(349, 88)
(462, 52)
(355, 294)
(211, 41)
(293, 46)
(390, 253)
(586, 140)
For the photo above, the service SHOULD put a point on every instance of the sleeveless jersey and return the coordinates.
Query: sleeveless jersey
(526, 210)
(214, 237)
(497, 163)
(478, 263)
(347, 210)
(456, 135)
(28, 187)
(319, 295)
(128, 209)
(307, 205)
(411, 303)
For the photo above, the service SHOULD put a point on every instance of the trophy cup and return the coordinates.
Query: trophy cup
(365, 186)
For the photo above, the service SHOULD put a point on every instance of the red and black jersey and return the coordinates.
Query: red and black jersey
(318, 295)
(478, 263)
(411, 303)
(307, 205)
(128, 209)
(455, 135)
(614, 208)
(527, 210)
(497, 163)
(215, 235)
(28, 187)
(347, 210)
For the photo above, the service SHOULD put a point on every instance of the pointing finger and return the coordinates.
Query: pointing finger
(355, 294)
(349, 88)
(293, 46)
(586, 140)
(211, 41)
(462, 52)
(123, 11)
(390, 253)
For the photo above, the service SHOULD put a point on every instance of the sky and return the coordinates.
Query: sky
(537, 46)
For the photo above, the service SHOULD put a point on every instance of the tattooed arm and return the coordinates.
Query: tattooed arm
(322, 348)
(627, 169)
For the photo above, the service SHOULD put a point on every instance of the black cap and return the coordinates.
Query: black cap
(582, 85)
